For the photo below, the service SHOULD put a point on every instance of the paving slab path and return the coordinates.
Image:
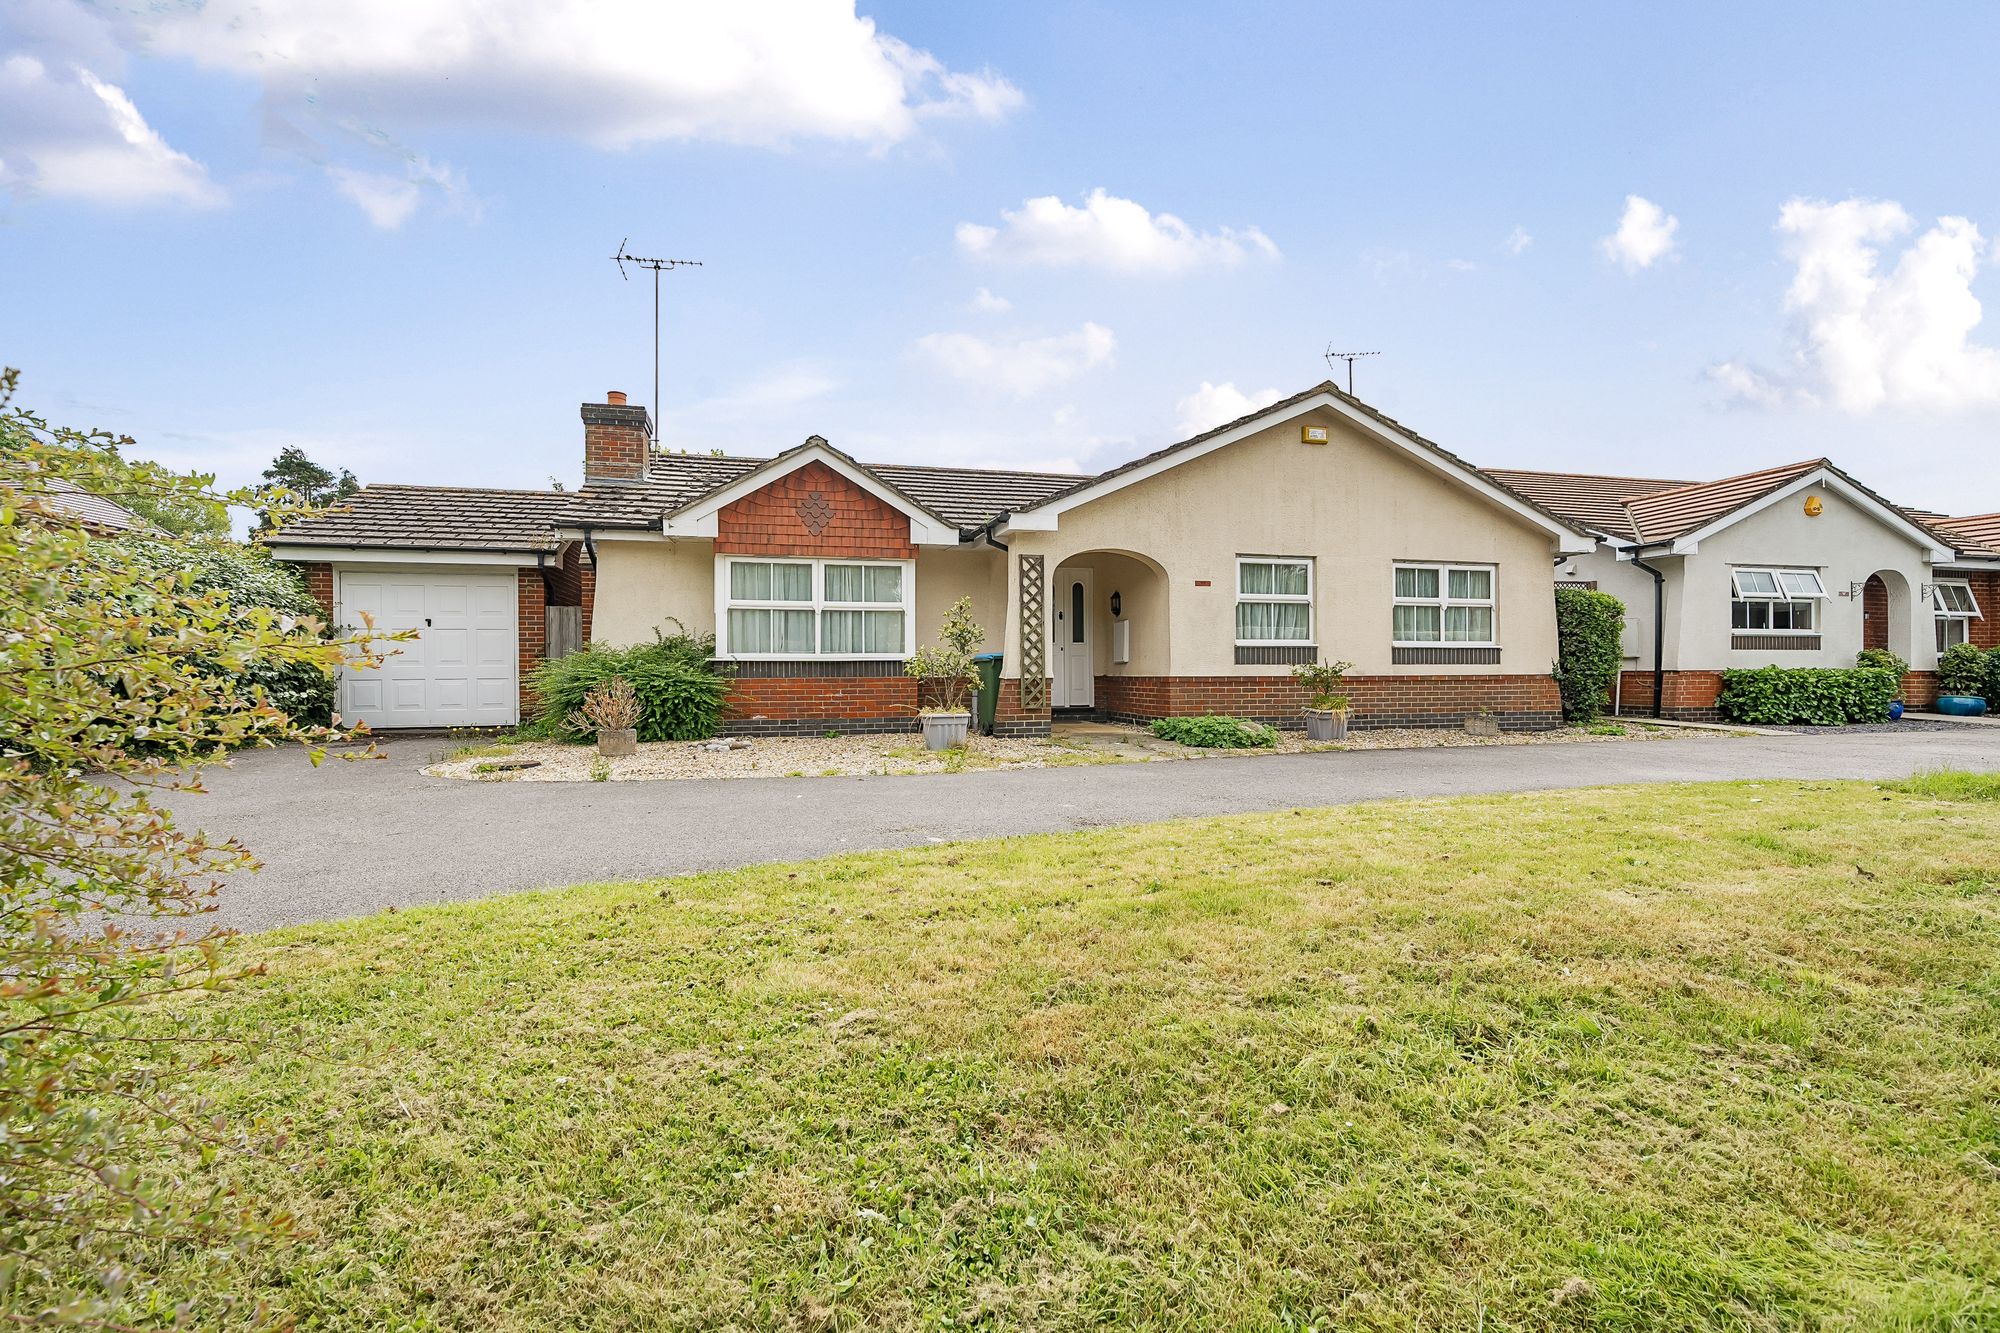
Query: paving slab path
(347, 839)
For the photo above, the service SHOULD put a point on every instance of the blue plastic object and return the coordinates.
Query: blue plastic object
(1895, 710)
(1961, 705)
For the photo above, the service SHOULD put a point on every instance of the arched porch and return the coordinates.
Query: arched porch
(1108, 629)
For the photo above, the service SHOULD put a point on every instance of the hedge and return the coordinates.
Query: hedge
(680, 693)
(1964, 669)
(1813, 696)
(1590, 626)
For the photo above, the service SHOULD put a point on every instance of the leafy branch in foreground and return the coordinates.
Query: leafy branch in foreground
(122, 673)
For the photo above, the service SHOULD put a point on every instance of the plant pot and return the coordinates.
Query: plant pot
(1896, 710)
(1961, 705)
(1326, 724)
(944, 730)
(612, 744)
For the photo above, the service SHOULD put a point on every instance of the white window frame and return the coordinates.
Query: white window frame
(1294, 599)
(1443, 600)
(1946, 617)
(723, 604)
(1779, 574)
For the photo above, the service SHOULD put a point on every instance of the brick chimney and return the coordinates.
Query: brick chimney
(614, 441)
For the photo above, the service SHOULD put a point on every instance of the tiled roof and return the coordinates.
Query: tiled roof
(434, 518)
(1594, 501)
(963, 496)
(1666, 515)
(64, 500)
(1975, 535)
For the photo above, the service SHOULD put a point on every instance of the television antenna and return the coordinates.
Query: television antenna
(1350, 358)
(657, 265)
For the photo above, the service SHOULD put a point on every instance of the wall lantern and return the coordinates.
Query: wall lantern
(1117, 604)
(1814, 506)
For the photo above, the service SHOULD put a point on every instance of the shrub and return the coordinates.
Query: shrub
(250, 580)
(612, 706)
(1993, 679)
(680, 699)
(946, 673)
(1322, 682)
(1589, 627)
(1215, 733)
(1881, 659)
(1814, 696)
(1962, 669)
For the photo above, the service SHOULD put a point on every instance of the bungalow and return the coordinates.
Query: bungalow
(1799, 565)
(1186, 581)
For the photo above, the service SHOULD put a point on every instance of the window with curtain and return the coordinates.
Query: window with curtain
(1443, 604)
(1777, 601)
(813, 608)
(1273, 600)
(1957, 608)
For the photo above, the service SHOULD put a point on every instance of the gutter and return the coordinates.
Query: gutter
(985, 531)
(589, 546)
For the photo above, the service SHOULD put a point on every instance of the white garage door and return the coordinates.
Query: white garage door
(460, 669)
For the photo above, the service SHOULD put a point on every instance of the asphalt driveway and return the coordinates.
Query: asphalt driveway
(347, 839)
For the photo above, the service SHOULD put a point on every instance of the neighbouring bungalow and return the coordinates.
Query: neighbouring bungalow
(1799, 565)
(1188, 581)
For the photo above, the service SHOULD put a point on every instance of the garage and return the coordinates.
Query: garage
(461, 669)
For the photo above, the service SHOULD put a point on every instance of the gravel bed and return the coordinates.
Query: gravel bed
(858, 756)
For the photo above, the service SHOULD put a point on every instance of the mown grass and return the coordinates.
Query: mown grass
(1662, 1058)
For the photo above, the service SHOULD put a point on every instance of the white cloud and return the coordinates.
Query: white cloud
(1018, 366)
(1112, 233)
(1517, 242)
(611, 72)
(986, 303)
(1212, 404)
(1864, 338)
(389, 199)
(66, 132)
(1461, 265)
(1645, 235)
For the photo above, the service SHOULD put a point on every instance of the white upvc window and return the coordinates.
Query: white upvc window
(1274, 600)
(1957, 608)
(1444, 604)
(1775, 601)
(783, 608)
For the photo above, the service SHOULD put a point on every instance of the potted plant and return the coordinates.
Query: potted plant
(1326, 706)
(945, 676)
(612, 712)
(1962, 681)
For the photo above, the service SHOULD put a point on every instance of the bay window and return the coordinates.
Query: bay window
(1443, 604)
(813, 608)
(1957, 608)
(1775, 601)
(1273, 601)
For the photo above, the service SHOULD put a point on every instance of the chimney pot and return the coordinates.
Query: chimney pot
(615, 397)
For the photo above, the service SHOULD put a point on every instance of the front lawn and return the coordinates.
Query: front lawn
(1655, 1058)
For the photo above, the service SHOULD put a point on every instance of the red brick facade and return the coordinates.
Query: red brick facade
(809, 705)
(532, 630)
(319, 582)
(616, 439)
(1517, 702)
(1985, 631)
(1691, 695)
(813, 511)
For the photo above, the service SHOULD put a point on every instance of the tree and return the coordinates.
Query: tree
(1590, 628)
(308, 482)
(121, 673)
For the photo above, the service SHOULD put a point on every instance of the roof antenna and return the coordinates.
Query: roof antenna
(1350, 358)
(656, 265)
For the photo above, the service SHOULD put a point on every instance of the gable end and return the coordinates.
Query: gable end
(813, 511)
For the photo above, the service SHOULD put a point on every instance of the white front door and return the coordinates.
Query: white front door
(1075, 662)
(460, 669)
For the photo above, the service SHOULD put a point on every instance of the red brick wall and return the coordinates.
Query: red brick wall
(1874, 613)
(808, 705)
(1011, 718)
(614, 442)
(532, 629)
(1986, 591)
(768, 521)
(319, 582)
(1378, 701)
(586, 592)
(1691, 695)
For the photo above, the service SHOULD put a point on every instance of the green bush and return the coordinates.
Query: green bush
(1215, 733)
(1993, 679)
(1589, 627)
(1963, 669)
(251, 579)
(1813, 696)
(680, 692)
(1882, 660)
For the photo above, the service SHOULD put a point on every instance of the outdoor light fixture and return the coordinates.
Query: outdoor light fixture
(1117, 604)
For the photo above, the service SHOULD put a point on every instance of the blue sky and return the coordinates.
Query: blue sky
(1684, 241)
